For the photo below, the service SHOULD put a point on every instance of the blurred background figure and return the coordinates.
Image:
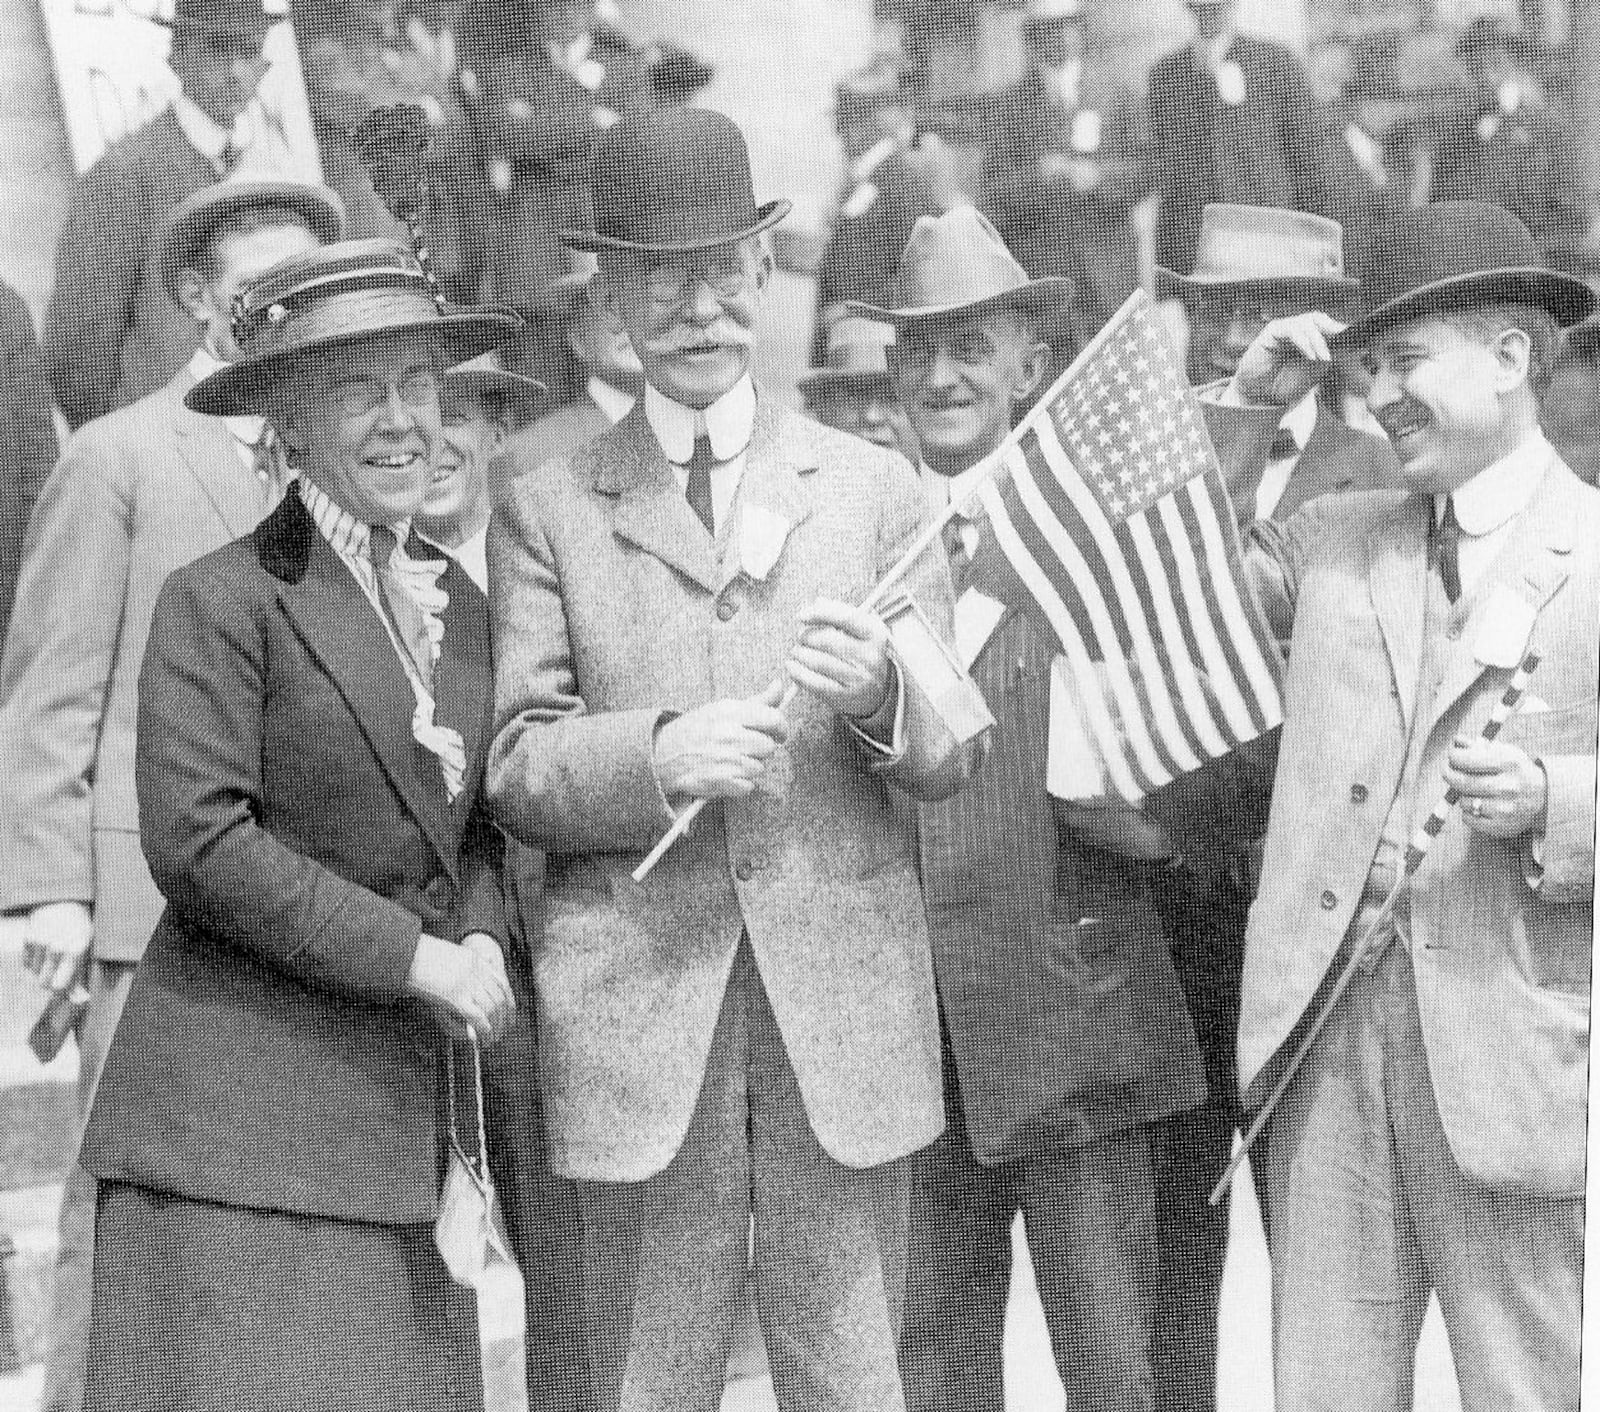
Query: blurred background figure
(28, 444)
(1231, 119)
(852, 390)
(1064, 164)
(1570, 411)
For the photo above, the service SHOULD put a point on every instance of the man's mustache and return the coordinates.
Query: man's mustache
(733, 337)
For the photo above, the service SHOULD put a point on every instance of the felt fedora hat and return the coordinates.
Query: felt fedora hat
(243, 17)
(857, 356)
(956, 263)
(1262, 249)
(1458, 255)
(509, 396)
(672, 181)
(332, 296)
(193, 223)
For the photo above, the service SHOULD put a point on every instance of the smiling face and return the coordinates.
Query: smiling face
(1224, 322)
(1451, 399)
(361, 420)
(457, 503)
(866, 408)
(960, 379)
(690, 318)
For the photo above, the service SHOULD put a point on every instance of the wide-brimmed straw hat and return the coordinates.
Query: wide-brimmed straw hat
(857, 357)
(242, 17)
(509, 396)
(1459, 255)
(193, 223)
(672, 181)
(331, 296)
(956, 263)
(1262, 250)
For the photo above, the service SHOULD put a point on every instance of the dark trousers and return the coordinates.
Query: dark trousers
(1089, 1215)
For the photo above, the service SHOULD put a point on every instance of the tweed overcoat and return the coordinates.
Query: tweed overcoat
(137, 493)
(611, 609)
(268, 1056)
(1502, 963)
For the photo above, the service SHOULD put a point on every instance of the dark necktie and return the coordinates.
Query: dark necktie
(1446, 550)
(228, 158)
(1283, 445)
(398, 606)
(698, 490)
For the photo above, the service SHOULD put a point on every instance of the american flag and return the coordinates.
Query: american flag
(1110, 521)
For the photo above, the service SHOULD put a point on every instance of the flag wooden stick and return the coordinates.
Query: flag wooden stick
(1416, 851)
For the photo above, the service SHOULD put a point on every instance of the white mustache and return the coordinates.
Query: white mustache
(679, 342)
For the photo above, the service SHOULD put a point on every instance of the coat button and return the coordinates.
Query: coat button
(1358, 794)
(726, 610)
(438, 892)
(1329, 901)
(745, 871)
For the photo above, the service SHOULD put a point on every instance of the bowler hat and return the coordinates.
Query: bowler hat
(857, 356)
(674, 180)
(1461, 255)
(1043, 12)
(194, 222)
(243, 17)
(956, 263)
(331, 296)
(1262, 250)
(510, 396)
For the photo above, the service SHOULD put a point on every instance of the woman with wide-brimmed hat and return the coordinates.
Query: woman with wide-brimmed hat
(269, 1128)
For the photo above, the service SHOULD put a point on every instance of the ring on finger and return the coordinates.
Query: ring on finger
(1477, 808)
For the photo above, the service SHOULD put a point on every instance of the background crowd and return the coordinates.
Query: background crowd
(1085, 169)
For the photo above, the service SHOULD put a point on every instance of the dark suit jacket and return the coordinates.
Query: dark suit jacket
(1050, 227)
(28, 444)
(1058, 996)
(268, 1056)
(111, 334)
(1265, 152)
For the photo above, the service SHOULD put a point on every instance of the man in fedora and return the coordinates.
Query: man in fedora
(1064, 164)
(1255, 264)
(1065, 1039)
(611, 375)
(751, 1030)
(852, 390)
(112, 332)
(141, 491)
(1433, 1140)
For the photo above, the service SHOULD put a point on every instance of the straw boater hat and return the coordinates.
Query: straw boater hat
(332, 296)
(958, 264)
(857, 357)
(672, 181)
(243, 17)
(510, 397)
(1262, 250)
(191, 226)
(1461, 255)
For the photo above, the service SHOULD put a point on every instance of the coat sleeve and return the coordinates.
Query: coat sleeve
(1565, 859)
(99, 260)
(558, 777)
(56, 670)
(28, 446)
(202, 693)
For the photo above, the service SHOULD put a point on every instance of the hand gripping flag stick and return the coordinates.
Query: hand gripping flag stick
(1416, 851)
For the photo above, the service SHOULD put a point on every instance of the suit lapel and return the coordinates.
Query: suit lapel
(652, 512)
(1532, 564)
(1324, 467)
(775, 468)
(206, 448)
(461, 678)
(1398, 581)
(342, 630)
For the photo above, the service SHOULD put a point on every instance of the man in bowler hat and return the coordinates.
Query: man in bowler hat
(1433, 1141)
(1065, 1038)
(137, 493)
(750, 1031)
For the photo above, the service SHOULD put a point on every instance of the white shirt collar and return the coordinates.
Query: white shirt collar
(613, 402)
(207, 136)
(245, 430)
(727, 422)
(956, 490)
(1500, 490)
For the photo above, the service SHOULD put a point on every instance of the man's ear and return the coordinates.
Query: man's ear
(1034, 365)
(499, 430)
(192, 295)
(1513, 353)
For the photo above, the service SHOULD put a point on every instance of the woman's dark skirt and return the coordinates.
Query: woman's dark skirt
(204, 1308)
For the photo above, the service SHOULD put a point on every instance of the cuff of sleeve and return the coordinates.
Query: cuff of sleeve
(882, 735)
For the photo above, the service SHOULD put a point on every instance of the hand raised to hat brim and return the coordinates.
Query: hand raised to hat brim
(1288, 358)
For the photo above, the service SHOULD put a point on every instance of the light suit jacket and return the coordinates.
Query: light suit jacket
(611, 610)
(136, 494)
(1502, 964)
